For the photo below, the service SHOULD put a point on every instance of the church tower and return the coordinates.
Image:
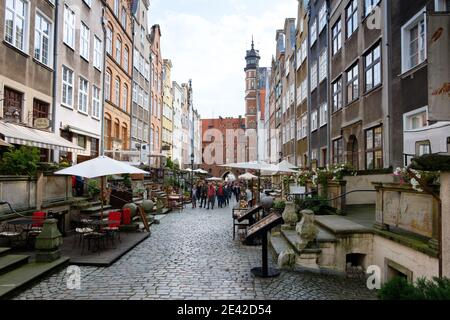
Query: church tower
(251, 86)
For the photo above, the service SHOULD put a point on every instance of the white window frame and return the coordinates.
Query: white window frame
(25, 31)
(323, 65)
(323, 116)
(96, 98)
(69, 27)
(65, 86)
(313, 76)
(409, 115)
(375, 64)
(83, 95)
(125, 97)
(351, 18)
(108, 78)
(85, 35)
(406, 40)
(98, 53)
(118, 49)
(304, 126)
(314, 120)
(313, 32)
(117, 87)
(39, 36)
(109, 40)
(135, 94)
(304, 47)
(126, 55)
(322, 17)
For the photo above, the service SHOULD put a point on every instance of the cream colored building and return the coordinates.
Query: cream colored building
(167, 118)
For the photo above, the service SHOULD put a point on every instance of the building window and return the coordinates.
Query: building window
(95, 102)
(123, 18)
(416, 119)
(126, 54)
(142, 35)
(374, 148)
(337, 37)
(69, 27)
(352, 17)
(314, 121)
(84, 41)
(67, 87)
(40, 109)
(313, 32)
(322, 17)
(98, 54)
(414, 50)
(42, 40)
(373, 68)
(369, 6)
(109, 36)
(94, 147)
(135, 95)
(116, 7)
(314, 76)
(338, 151)
(118, 51)
(323, 66)
(125, 98)
(134, 127)
(422, 148)
(145, 136)
(442, 5)
(81, 141)
(12, 105)
(352, 83)
(107, 86)
(304, 49)
(117, 92)
(336, 88)
(87, 2)
(140, 96)
(83, 95)
(323, 116)
(16, 20)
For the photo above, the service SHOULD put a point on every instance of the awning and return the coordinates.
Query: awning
(82, 132)
(3, 143)
(436, 134)
(17, 134)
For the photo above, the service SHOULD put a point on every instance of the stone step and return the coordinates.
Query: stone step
(17, 279)
(95, 209)
(12, 261)
(282, 251)
(340, 225)
(4, 251)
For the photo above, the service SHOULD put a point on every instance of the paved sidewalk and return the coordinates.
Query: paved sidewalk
(191, 255)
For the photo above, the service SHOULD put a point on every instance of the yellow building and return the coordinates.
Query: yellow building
(167, 120)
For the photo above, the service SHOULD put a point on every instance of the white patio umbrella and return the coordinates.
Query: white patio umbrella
(214, 179)
(286, 165)
(100, 168)
(201, 171)
(259, 166)
(248, 176)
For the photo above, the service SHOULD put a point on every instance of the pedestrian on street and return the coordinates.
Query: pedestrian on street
(211, 196)
(220, 196)
(203, 195)
(249, 195)
(194, 197)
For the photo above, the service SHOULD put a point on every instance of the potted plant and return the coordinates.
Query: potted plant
(279, 206)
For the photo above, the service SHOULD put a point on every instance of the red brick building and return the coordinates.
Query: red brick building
(218, 147)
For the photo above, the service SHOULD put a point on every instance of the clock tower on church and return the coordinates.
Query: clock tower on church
(251, 86)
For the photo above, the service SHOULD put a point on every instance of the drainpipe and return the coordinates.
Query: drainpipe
(55, 67)
(133, 20)
(387, 75)
(102, 136)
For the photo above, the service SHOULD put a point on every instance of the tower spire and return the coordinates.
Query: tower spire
(253, 44)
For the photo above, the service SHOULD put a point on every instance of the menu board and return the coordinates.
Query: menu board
(241, 216)
(264, 225)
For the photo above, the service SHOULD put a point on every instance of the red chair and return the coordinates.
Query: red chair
(126, 216)
(112, 230)
(38, 219)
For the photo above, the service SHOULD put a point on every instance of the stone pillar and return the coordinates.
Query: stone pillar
(40, 185)
(290, 216)
(445, 213)
(48, 242)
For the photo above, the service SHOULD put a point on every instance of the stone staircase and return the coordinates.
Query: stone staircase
(287, 249)
(18, 271)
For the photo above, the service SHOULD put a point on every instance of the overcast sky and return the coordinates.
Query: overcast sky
(207, 41)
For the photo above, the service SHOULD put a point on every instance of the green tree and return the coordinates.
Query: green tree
(21, 161)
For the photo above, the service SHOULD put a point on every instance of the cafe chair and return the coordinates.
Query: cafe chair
(113, 229)
(9, 233)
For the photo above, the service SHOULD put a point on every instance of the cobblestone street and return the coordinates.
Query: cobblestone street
(191, 255)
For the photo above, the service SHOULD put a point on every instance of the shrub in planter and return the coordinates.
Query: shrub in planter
(93, 188)
(319, 205)
(279, 206)
(21, 161)
(400, 289)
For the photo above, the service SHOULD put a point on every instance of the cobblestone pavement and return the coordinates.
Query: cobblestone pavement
(191, 255)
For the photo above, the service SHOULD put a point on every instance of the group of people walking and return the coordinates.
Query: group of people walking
(208, 193)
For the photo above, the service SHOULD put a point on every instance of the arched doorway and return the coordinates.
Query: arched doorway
(352, 152)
